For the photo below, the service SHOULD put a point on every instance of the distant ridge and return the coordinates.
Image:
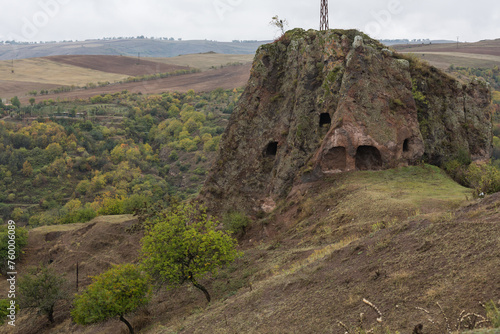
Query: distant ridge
(126, 47)
(414, 41)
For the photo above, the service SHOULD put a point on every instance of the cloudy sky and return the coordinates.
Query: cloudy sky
(226, 20)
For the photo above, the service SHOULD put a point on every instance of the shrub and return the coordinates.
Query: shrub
(4, 304)
(493, 314)
(40, 289)
(235, 222)
(483, 178)
(134, 203)
(111, 206)
(21, 240)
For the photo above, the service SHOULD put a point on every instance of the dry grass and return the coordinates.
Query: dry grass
(367, 202)
(205, 61)
(48, 72)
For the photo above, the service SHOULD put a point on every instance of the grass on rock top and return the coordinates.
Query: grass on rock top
(353, 204)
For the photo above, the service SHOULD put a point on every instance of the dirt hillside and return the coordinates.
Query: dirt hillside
(406, 240)
(95, 246)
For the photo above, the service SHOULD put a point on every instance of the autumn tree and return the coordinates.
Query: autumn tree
(27, 169)
(184, 246)
(118, 291)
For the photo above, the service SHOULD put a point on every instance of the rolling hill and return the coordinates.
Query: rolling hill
(126, 47)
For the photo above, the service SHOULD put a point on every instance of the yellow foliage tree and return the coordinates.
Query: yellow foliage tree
(27, 169)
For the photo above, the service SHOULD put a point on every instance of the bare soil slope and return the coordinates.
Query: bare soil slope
(95, 246)
(118, 64)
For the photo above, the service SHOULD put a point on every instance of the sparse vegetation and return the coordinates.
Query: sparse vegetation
(235, 222)
(280, 24)
(493, 314)
(4, 304)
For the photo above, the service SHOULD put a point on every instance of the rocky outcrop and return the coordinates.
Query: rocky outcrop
(326, 102)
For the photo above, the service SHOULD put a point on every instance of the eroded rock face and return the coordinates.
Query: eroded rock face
(327, 102)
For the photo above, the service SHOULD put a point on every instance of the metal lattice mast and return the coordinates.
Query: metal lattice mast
(323, 25)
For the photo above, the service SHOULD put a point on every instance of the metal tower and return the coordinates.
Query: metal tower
(323, 25)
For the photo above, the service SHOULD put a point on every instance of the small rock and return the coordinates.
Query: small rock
(358, 42)
(387, 53)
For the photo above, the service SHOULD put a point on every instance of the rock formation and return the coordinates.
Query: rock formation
(333, 101)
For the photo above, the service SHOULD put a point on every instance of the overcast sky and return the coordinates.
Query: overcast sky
(227, 20)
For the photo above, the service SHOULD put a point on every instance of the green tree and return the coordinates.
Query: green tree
(120, 290)
(40, 289)
(15, 102)
(54, 151)
(184, 246)
(21, 240)
(32, 101)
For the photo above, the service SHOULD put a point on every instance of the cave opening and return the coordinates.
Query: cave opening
(325, 119)
(272, 148)
(406, 145)
(335, 159)
(368, 158)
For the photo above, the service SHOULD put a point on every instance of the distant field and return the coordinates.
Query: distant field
(56, 71)
(119, 64)
(484, 54)
(444, 59)
(489, 47)
(205, 61)
(226, 78)
(45, 71)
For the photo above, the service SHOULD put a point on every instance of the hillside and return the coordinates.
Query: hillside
(403, 239)
(126, 47)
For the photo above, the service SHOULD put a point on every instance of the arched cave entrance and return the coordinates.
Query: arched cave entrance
(406, 145)
(325, 119)
(271, 149)
(335, 159)
(367, 158)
